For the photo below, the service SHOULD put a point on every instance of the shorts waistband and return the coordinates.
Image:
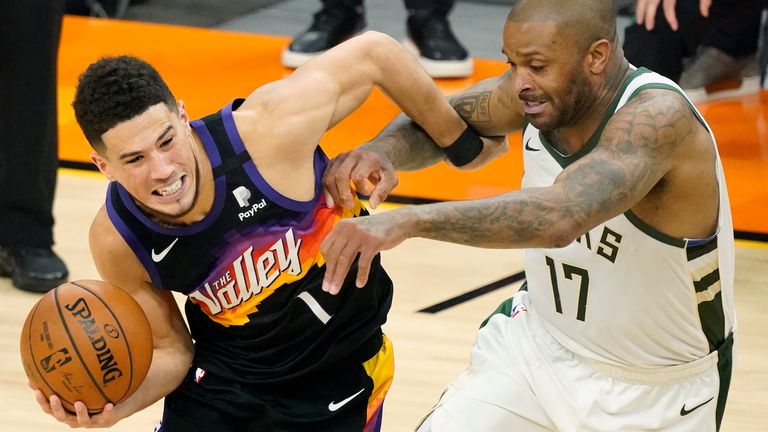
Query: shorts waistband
(662, 375)
(545, 335)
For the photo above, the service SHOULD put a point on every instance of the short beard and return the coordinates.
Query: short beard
(572, 107)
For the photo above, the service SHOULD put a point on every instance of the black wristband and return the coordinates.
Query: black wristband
(465, 149)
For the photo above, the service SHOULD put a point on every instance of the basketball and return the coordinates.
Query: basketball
(86, 341)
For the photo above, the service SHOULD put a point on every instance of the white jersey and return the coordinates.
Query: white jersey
(624, 292)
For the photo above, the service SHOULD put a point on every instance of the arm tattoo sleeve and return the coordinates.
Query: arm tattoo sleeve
(635, 152)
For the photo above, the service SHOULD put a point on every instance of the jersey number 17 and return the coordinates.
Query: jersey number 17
(570, 272)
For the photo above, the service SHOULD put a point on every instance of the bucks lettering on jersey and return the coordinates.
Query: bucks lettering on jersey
(623, 292)
(252, 270)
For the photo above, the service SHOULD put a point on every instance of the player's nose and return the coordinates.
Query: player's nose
(522, 81)
(160, 166)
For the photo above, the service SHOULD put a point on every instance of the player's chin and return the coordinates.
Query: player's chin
(175, 211)
(542, 122)
(168, 209)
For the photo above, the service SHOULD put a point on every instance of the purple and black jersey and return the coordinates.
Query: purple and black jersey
(252, 270)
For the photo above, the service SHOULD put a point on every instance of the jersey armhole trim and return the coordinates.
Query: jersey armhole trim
(130, 238)
(653, 232)
(319, 163)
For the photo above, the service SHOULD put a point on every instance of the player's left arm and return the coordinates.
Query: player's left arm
(638, 147)
(489, 107)
(324, 91)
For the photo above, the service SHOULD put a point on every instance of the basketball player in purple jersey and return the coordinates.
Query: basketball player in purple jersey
(227, 211)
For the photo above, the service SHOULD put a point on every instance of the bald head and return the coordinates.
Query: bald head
(587, 21)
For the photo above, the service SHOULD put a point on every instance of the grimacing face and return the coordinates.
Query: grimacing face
(547, 73)
(152, 156)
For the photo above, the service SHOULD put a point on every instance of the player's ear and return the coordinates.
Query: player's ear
(102, 165)
(182, 112)
(598, 55)
(183, 116)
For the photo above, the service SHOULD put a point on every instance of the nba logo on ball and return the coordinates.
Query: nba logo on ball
(86, 341)
(57, 359)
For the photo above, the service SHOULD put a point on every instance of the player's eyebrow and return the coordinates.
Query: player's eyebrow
(132, 154)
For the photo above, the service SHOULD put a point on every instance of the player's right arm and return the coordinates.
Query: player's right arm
(173, 350)
(487, 106)
(282, 122)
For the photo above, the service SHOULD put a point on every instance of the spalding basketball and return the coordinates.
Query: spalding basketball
(86, 341)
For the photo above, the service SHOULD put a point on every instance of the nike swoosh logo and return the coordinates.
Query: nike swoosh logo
(157, 257)
(334, 406)
(685, 412)
(528, 147)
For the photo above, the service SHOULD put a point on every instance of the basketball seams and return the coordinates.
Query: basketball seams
(30, 346)
(124, 335)
(75, 347)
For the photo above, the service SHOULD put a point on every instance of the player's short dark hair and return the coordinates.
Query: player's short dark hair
(115, 89)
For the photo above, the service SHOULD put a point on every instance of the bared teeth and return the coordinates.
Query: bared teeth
(171, 188)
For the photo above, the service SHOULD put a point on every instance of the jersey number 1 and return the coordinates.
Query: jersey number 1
(569, 271)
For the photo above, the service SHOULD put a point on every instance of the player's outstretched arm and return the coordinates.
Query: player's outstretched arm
(172, 354)
(324, 91)
(300, 108)
(403, 145)
(639, 146)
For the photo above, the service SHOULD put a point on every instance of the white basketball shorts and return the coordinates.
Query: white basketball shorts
(521, 379)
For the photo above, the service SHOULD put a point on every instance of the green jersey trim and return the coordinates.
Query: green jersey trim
(653, 232)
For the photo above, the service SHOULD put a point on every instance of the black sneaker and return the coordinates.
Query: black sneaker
(431, 39)
(33, 269)
(330, 27)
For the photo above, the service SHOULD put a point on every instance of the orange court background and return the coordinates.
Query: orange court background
(207, 68)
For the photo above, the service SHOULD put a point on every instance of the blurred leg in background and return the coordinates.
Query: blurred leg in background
(30, 33)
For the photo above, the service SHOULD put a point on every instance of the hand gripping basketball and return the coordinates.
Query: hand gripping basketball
(86, 341)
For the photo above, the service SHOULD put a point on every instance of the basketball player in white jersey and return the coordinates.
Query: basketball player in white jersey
(626, 320)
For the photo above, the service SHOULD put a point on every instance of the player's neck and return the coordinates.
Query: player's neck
(207, 187)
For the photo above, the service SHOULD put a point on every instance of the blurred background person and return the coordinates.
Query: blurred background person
(706, 46)
(429, 35)
(30, 33)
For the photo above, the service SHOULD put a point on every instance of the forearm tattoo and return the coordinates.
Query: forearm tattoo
(474, 107)
(409, 148)
(517, 219)
(406, 145)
